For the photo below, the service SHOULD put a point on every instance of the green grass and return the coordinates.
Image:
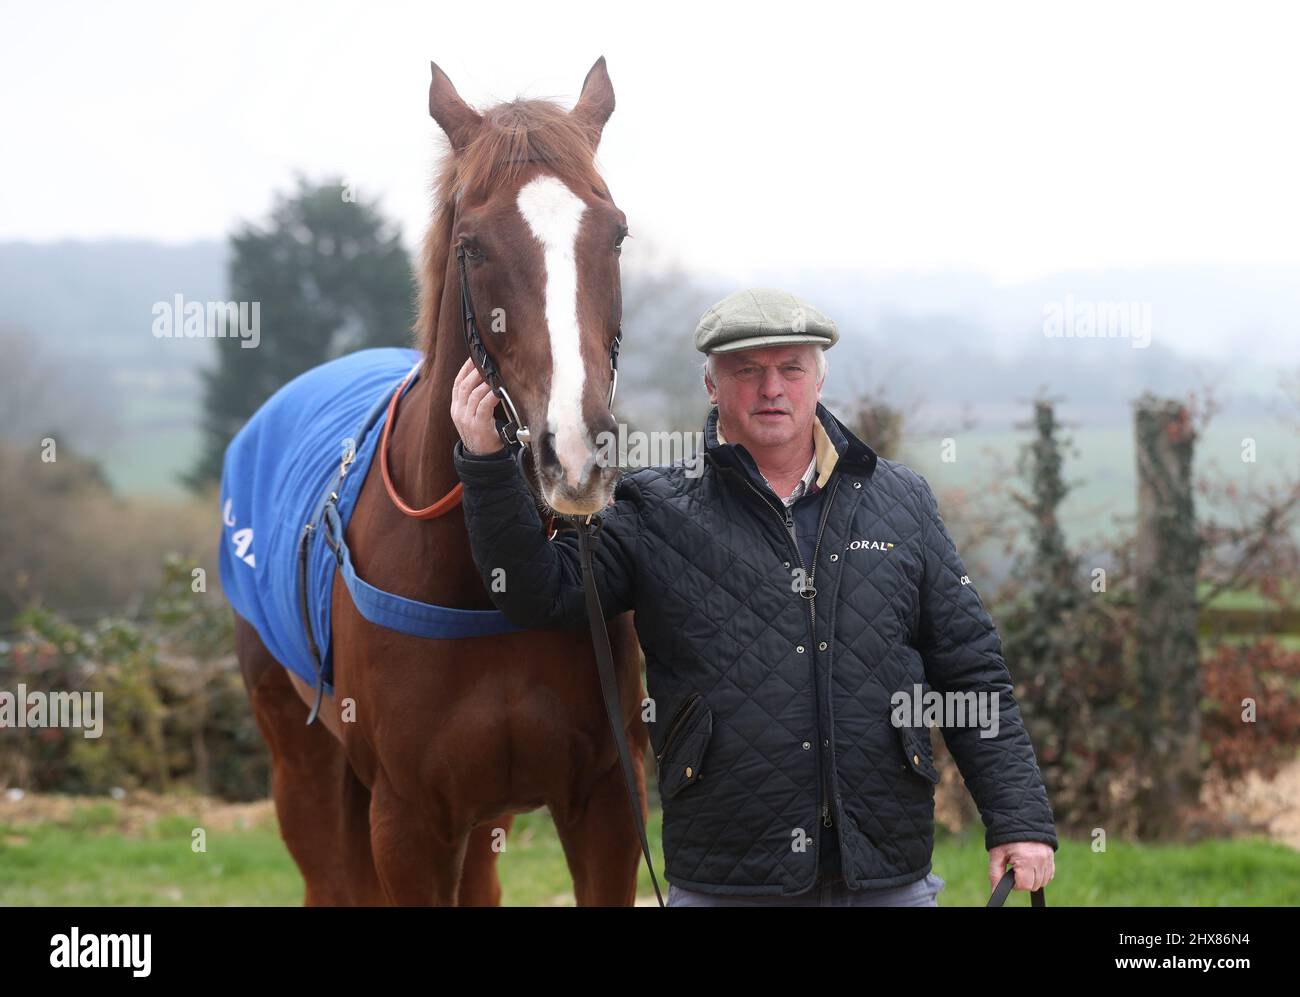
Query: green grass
(1244, 598)
(1243, 872)
(87, 859)
(144, 461)
(1285, 642)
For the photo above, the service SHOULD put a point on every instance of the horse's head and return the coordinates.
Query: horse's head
(541, 236)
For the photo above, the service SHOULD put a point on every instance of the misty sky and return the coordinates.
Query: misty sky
(1007, 139)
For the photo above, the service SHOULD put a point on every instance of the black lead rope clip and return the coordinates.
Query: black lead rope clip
(589, 525)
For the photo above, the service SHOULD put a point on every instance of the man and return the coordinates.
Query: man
(792, 600)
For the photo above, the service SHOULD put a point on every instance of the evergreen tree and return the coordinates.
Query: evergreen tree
(331, 277)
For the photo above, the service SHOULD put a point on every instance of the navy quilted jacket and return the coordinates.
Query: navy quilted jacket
(772, 697)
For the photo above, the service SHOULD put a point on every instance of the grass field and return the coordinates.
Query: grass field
(93, 855)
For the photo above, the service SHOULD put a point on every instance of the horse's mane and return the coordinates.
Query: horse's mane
(512, 134)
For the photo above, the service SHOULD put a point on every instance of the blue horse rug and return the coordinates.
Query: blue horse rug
(289, 483)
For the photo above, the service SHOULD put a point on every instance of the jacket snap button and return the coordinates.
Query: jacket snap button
(857, 484)
(689, 771)
(821, 646)
(916, 759)
(835, 557)
(799, 649)
(785, 564)
(807, 746)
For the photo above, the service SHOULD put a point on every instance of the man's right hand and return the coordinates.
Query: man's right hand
(472, 405)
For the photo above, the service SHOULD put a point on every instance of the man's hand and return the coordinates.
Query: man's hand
(1034, 862)
(472, 404)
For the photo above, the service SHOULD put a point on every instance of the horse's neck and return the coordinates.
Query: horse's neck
(420, 457)
(429, 560)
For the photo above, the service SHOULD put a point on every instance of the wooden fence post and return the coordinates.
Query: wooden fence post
(1167, 556)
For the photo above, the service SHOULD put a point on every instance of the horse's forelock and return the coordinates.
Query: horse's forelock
(517, 135)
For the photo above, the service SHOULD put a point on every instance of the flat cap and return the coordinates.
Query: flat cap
(757, 317)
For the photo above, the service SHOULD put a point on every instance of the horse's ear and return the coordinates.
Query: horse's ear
(454, 116)
(596, 102)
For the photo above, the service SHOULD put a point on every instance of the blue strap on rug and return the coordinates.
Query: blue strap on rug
(291, 476)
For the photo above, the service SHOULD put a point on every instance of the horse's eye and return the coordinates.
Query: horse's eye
(472, 252)
(618, 243)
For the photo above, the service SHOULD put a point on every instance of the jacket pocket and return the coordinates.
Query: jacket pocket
(917, 753)
(684, 745)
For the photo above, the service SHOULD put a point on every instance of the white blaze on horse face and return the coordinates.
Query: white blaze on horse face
(554, 213)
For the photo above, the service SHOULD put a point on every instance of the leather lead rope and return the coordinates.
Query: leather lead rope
(1004, 887)
(587, 533)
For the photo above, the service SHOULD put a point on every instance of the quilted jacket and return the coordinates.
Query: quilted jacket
(772, 690)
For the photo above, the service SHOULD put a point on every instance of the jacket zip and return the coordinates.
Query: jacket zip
(809, 592)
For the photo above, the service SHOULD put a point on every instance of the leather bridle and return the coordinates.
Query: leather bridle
(517, 438)
(514, 434)
(512, 431)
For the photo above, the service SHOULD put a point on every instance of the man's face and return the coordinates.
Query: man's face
(766, 397)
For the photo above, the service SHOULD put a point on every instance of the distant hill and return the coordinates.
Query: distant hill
(947, 346)
(89, 307)
(960, 340)
(94, 300)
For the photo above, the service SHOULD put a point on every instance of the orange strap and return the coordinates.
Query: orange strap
(444, 504)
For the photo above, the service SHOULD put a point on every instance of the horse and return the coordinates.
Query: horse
(405, 792)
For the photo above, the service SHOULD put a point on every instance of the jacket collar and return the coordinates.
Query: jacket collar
(835, 446)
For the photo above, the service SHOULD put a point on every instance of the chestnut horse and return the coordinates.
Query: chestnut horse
(405, 789)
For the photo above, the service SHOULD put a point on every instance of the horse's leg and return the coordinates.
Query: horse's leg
(418, 856)
(322, 806)
(600, 841)
(597, 832)
(363, 880)
(480, 886)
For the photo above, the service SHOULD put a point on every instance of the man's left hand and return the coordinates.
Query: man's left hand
(1033, 860)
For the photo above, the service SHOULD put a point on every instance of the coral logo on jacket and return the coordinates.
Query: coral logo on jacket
(870, 545)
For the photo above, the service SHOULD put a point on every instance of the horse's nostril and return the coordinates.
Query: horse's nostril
(546, 448)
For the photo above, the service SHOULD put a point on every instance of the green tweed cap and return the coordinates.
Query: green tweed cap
(757, 317)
